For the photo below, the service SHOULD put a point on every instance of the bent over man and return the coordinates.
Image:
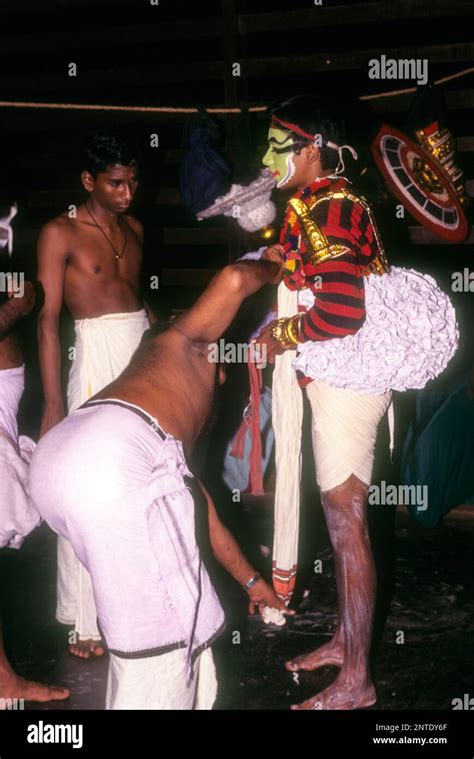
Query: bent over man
(113, 478)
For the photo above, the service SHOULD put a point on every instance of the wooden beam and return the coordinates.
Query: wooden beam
(247, 23)
(94, 39)
(359, 59)
(53, 6)
(353, 13)
(231, 93)
(229, 28)
(115, 79)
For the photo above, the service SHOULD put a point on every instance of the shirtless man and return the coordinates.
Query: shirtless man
(12, 686)
(92, 263)
(114, 478)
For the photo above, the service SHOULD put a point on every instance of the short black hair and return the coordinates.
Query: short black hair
(315, 116)
(106, 148)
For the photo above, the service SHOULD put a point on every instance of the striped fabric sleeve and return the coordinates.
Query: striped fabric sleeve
(339, 306)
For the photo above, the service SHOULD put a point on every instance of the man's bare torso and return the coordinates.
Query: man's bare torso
(172, 376)
(96, 282)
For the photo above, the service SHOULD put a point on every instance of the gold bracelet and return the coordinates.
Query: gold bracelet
(293, 329)
(278, 333)
(287, 332)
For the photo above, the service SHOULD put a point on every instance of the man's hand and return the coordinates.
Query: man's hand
(273, 348)
(262, 594)
(27, 302)
(275, 253)
(52, 416)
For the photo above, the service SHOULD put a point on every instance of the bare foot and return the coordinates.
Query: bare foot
(14, 686)
(342, 696)
(84, 649)
(331, 654)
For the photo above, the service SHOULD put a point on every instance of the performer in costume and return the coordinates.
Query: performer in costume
(340, 308)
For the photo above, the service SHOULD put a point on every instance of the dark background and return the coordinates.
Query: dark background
(129, 52)
(180, 54)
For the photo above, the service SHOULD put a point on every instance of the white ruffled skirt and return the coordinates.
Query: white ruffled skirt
(409, 336)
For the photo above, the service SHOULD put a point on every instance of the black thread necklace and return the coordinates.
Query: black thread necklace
(125, 234)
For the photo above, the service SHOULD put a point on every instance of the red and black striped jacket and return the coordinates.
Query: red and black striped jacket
(338, 283)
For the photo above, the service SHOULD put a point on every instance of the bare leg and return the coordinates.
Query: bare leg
(332, 652)
(76, 604)
(345, 509)
(14, 686)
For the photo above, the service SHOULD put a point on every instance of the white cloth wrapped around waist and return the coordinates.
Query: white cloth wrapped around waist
(18, 517)
(102, 350)
(106, 481)
(409, 335)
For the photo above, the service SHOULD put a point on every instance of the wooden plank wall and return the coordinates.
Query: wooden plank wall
(181, 55)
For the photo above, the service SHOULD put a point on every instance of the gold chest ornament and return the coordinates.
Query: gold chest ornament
(317, 242)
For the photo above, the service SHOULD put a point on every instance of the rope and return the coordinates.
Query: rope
(413, 89)
(133, 108)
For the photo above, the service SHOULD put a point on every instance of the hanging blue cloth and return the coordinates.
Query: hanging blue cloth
(439, 451)
(204, 172)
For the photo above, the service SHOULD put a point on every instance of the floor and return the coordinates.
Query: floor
(423, 657)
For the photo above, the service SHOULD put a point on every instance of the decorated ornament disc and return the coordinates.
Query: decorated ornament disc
(420, 184)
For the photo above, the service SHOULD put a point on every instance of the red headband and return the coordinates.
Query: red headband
(312, 138)
(294, 128)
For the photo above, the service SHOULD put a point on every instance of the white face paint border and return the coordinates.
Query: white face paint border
(290, 170)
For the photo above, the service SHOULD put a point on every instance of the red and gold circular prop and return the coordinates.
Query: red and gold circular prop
(420, 184)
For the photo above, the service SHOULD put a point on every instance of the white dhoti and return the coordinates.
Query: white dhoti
(110, 480)
(103, 349)
(344, 427)
(18, 517)
(344, 430)
(160, 683)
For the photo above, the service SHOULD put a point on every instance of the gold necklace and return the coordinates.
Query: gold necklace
(124, 226)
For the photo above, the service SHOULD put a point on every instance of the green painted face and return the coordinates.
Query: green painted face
(281, 164)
